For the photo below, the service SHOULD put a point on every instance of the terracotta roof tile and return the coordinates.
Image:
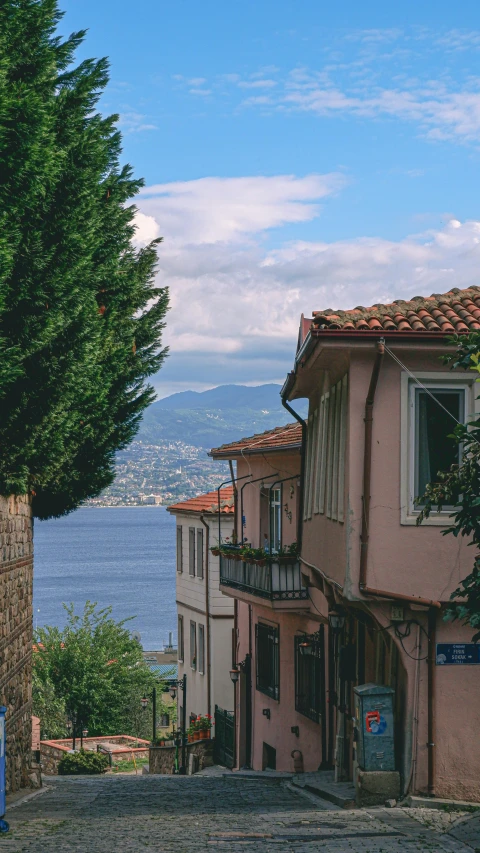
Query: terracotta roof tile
(457, 311)
(280, 438)
(207, 503)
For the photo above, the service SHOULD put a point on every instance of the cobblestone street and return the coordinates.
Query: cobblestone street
(172, 814)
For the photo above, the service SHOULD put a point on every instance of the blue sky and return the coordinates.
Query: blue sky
(297, 156)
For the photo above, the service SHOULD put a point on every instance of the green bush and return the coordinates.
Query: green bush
(76, 763)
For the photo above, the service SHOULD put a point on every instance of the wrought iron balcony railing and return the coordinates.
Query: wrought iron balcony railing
(277, 581)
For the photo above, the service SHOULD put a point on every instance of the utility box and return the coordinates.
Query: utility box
(374, 727)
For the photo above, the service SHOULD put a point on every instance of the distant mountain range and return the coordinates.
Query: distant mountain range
(210, 418)
(168, 460)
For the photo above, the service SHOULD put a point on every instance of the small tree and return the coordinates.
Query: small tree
(460, 487)
(97, 673)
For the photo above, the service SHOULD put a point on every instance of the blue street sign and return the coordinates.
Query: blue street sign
(457, 653)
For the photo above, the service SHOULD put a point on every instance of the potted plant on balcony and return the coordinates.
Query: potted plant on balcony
(205, 725)
(196, 728)
(190, 734)
(289, 554)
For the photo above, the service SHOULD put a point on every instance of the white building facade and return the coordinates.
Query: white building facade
(205, 615)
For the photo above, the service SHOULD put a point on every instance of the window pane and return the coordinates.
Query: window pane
(308, 677)
(435, 451)
(193, 645)
(267, 660)
(179, 550)
(200, 553)
(276, 519)
(180, 638)
(201, 649)
(191, 551)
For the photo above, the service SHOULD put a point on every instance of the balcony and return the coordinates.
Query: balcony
(277, 582)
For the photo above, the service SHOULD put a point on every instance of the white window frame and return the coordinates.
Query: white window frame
(201, 649)
(431, 380)
(276, 517)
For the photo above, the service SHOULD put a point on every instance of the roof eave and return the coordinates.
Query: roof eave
(246, 452)
(391, 334)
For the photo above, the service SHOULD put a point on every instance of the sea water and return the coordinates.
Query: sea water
(123, 557)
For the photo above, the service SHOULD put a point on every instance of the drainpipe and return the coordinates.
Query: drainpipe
(302, 469)
(432, 626)
(432, 605)
(367, 472)
(207, 613)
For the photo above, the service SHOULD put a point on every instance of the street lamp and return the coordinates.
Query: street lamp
(174, 687)
(336, 621)
(144, 703)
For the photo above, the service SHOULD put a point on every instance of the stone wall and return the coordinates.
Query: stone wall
(16, 588)
(161, 759)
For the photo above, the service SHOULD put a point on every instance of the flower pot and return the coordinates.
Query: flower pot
(204, 734)
(215, 551)
(259, 562)
(190, 738)
(196, 736)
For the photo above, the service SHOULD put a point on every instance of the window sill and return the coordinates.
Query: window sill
(269, 694)
(437, 519)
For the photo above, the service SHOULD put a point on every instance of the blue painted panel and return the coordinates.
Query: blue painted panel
(457, 653)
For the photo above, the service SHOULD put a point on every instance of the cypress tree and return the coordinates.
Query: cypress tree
(80, 317)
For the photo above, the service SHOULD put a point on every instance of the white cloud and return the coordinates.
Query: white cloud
(257, 84)
(211, 210)
(236, 303)
(147, 229)
(133, 122)
(442, 113)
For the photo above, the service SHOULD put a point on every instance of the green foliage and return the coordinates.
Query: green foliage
(460, 488)
(97, 671)
(82, 762)
(80, 318)
(49, 707)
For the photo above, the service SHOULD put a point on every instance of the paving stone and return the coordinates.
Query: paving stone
(172, 814)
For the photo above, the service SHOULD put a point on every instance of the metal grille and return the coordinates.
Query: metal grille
(308, 676)
(224, 738)
(275, 581)
(267, 659)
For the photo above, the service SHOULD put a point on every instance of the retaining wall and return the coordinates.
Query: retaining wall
(16, 590)
(161, 759)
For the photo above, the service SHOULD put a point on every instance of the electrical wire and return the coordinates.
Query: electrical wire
(424, 388)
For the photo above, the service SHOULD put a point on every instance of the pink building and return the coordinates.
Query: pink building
(364, 600)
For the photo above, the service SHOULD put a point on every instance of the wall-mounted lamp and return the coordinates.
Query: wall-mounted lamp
(234, 675)
(295, 730)
(266, 713)
(305, 648)
(336, 621)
